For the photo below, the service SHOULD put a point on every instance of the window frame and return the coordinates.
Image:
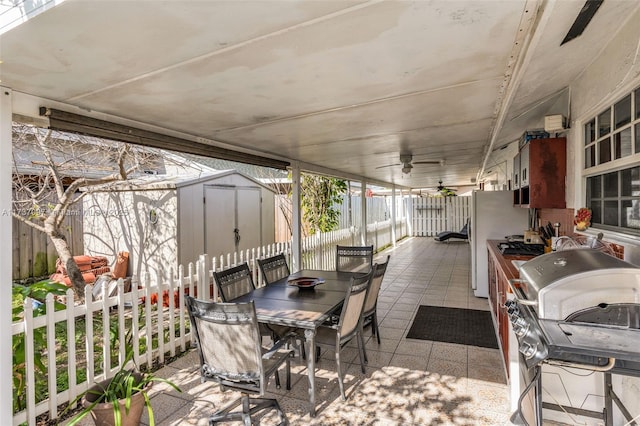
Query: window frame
(593, 139)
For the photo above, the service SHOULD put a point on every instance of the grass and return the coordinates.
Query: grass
(63, 345)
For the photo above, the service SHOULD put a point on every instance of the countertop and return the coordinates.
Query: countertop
(504, 261)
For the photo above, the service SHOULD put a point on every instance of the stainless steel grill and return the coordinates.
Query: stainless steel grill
(579, 308)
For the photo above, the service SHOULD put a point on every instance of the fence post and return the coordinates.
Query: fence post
(29, 352)
(135, 318)
(160, 312)
(375, 230)
(147, 321)
(88, 340)
(51, 355)
(106, 329)
(71, 348)
(122, 332)
(172, 312)
(201, 266)
(215, 287)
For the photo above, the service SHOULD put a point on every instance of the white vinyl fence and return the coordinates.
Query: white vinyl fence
(80, 344)
(433, 215)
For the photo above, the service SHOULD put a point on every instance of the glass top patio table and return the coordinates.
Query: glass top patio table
(282, 304)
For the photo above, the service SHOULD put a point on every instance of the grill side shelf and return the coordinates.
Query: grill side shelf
(591, 340)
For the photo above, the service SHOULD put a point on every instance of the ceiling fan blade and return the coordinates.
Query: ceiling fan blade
(427, 162)
(389, 165)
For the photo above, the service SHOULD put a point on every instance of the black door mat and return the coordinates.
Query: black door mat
(454, 325)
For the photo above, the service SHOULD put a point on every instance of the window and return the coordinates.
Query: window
(614, 198)
(613, 195)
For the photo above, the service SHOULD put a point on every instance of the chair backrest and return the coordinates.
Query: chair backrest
(351, 314)
(234, 282)
(379, 270)
(354, 258)
(465, 228)
(273, 268)
(228, 341)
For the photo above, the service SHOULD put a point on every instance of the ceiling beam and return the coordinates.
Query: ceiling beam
(70, 122)
(535, 18)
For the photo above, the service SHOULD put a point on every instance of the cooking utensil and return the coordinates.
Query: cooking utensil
(550, 230)
(544, 232)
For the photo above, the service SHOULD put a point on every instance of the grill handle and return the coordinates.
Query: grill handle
(610, 364)
(518, 294)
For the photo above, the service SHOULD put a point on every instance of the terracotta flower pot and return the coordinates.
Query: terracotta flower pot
(102, 413)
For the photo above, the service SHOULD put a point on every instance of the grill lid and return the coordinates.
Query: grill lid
(565, 282)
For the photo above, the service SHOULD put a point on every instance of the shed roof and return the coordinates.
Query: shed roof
(160, 182)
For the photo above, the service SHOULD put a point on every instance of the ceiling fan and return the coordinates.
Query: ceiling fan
(407, 163)
(446, 191)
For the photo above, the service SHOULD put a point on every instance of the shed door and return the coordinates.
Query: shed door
(232, 219)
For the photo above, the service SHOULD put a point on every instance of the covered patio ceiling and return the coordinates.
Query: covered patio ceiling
(341, 86)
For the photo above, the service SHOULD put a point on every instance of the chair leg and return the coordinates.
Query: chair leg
(227, 414)
(246, 411)
(361, 351)
(366, 360)
(288, 367)
(277, 380)
(340, 378)
(374, 326)
(303, 351)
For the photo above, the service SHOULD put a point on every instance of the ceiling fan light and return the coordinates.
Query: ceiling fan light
(407, 168)
(406, 158)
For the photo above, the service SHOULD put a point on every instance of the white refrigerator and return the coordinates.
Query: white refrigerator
(493, 217)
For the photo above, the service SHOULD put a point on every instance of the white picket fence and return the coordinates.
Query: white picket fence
(153, 315)
(162, 330)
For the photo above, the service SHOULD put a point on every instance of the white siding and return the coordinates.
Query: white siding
(615, 72)
(190, 223)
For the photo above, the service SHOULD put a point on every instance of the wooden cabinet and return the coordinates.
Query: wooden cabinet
(501, 270)
(498, 287)
(516, 172)
(540, 175)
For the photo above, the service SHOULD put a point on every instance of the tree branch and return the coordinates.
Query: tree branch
(28, 222)
(42, 142)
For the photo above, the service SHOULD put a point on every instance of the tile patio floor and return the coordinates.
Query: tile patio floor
(408, 382)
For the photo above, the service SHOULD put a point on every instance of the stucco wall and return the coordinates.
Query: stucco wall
(120, 221)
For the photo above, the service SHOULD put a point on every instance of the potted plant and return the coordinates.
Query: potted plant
(120, 400)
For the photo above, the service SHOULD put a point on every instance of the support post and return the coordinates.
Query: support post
(6, 251)
(296, 222)
(363, 213)
(393, 215)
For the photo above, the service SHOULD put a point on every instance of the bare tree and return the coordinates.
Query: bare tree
(52, 171)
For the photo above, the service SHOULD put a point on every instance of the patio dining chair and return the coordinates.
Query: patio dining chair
(236, 282)
(349, 325)
(369, 314)
(354, 258)
(273, 268)
(229, 346)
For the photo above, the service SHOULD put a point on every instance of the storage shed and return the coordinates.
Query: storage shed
(164, 221)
